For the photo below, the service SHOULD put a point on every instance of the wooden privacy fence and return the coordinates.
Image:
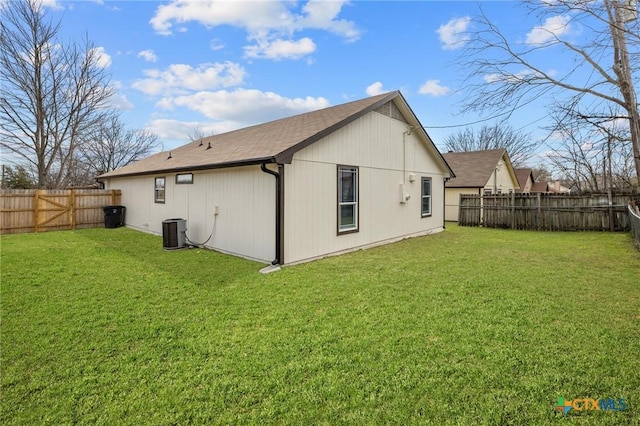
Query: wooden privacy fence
(546, 212)
(35, 210)
(634, 221)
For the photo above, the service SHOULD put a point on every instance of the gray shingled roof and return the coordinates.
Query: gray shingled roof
(272, 142)
(473, 169)
(540, 187)
(522, 175)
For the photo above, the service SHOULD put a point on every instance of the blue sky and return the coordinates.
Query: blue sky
(221, 65)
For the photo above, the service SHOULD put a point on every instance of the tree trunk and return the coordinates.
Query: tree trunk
(622, 68)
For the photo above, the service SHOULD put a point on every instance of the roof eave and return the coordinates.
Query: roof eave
(463, 186)
(249, 162)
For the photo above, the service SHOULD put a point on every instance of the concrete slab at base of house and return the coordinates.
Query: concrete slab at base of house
(368, 246)
(269, 269)
(274, 268)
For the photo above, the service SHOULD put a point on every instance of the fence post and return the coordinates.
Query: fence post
(538, 204)
(513, 210)
(36, 209)
(72, 208)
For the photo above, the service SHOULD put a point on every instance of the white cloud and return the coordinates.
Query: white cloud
(269, 23)
(322, 14)
(587, 146)
(243, 107)
(375, 89)
(255, 16)
(120, 101)
(614, 125)
(434, 88)
(180, 130)
(495, 78)
(216, 44)
(453, 34)
(53, 4)
(180, 77)
(281, 49)
(148, 55)
(103, 59)
(518, 77)
(553, 27)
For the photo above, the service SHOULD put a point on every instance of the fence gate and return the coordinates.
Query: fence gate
(53, 209)
(49, 210)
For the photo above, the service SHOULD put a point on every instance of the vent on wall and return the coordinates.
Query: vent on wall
(391, 110)
(174, 234)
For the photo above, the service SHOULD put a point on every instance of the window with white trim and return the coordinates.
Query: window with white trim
(426, 196)
(347, 199)
(158, 193)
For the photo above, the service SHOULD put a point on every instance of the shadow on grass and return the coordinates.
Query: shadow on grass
(199, 266)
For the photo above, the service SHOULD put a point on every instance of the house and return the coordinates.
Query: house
(477, 172)
(540, 187)
(557, 187)
(527, 182)
(525, 179)
(325, 182)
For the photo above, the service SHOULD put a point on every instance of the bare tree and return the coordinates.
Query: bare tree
(112, 145)
(196, 134)
(602, 64)
(593, 154)
(541, 173)
(501, 135)
(52, 95)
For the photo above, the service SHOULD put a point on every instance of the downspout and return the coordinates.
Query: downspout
(278, 176)
(444, 203)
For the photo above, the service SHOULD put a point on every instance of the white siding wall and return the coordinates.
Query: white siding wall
(526, 188)
(374, 143)
(245, 196)
(452, 201)
(502, 181)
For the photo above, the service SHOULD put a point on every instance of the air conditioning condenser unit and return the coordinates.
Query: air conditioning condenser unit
(174, 234)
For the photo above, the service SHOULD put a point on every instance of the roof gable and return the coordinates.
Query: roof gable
(523, 175)
(474, 168)
(273, 142)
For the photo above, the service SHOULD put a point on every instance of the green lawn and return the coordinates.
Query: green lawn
(469, 326)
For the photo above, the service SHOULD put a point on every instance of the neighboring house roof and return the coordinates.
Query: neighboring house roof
(522, 175)
(540, 187)
(556, 186)
(273, 142)
(474, 168)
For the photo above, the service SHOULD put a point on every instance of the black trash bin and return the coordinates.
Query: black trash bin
(113, 216)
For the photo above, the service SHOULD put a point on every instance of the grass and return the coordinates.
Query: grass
(469, 326)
